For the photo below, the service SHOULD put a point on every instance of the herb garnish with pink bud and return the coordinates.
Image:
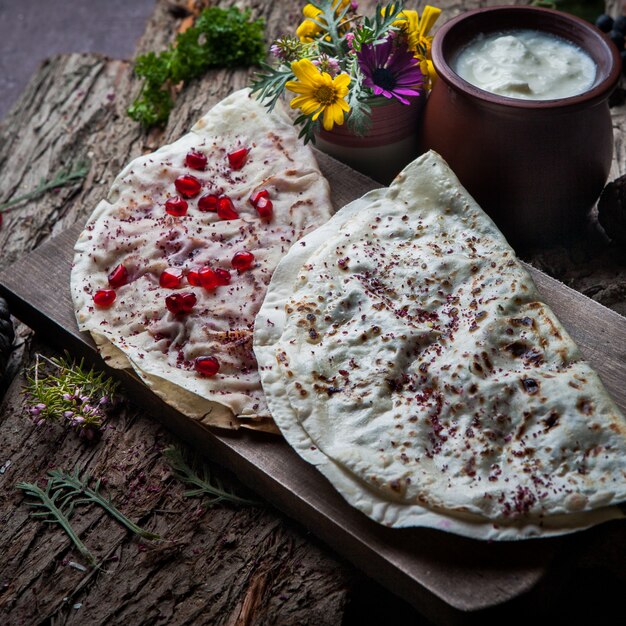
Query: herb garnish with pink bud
(64, 392)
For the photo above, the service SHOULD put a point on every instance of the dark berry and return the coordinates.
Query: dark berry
(620, 24)
(617, 38)
(605, 23)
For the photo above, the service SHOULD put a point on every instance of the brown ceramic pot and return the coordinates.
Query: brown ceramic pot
(390, 143)
(535, 166)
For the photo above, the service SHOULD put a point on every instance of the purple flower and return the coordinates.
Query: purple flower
(287, 49)
(37, 409)
(390, 70)
(327, 64)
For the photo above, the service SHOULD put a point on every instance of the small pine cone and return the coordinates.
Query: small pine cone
(6, 336)
(612, 210)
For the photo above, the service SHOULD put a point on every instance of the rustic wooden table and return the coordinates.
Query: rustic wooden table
(226, 565)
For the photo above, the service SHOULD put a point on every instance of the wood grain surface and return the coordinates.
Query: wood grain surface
(227, 565)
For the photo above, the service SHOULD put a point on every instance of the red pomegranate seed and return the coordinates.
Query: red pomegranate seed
(254, 200)
(237, 158)
(207, 365)
(188, 186)
(242, 260)
(196, 160)
(226, 209)
(208, 278)
(118, 277)
(171, 278)
(264, 207)
(208, 203)
(104, 298)
(176, 206)
(180, 302)
(193, 278)
(223, 276)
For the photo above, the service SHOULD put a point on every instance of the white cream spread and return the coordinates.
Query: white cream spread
(526, 64)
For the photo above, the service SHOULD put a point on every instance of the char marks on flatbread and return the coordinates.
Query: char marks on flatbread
(131, 227)
(406, 352)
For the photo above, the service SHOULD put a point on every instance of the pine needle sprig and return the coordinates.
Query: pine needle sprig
(76, 490)
(57, 511)
(65, 176)
(203, 483)
(69, 393)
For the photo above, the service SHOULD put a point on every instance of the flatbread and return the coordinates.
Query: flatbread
(406, 353)
(131, 227)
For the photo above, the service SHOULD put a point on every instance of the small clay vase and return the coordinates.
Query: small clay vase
(535, 166)
(390, 143)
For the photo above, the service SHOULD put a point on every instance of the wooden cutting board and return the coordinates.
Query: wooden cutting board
(443, 575)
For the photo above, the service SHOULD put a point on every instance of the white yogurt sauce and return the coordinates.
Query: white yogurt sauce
(526, 64)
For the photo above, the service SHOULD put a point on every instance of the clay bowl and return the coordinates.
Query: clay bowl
(535, 166)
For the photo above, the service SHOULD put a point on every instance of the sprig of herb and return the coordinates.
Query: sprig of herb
(331, 20)
(57, 510)
(271, 84)
(204, 484)
(76, 490)
(65, 176)
(375, 31)
(65, 491)
(70, 394)
(360, 119)
(219, 38)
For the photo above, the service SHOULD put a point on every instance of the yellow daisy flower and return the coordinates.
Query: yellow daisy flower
(419, 41)
(319, 93)
(310, 29)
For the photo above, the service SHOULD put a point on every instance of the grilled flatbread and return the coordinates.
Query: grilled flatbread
(249, 187)
(406, 352)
